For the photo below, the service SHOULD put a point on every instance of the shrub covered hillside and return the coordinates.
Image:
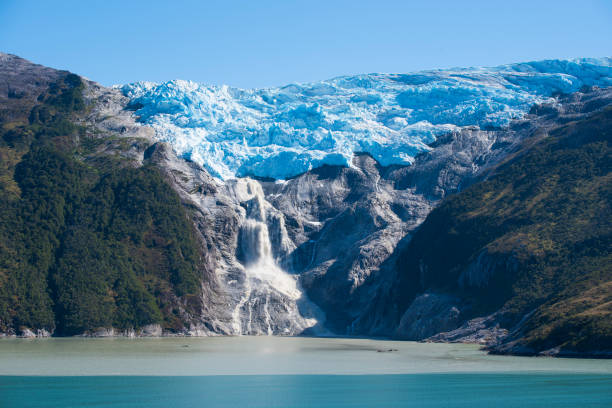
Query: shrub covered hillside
(534, 240)
(85, 244)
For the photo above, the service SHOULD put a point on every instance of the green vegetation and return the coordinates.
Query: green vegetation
(84, 245)
(540, 232)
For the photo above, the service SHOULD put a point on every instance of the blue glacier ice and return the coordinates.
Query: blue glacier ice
(282, 132)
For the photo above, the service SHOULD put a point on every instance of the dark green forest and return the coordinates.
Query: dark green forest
(86, 244)
(540, 230)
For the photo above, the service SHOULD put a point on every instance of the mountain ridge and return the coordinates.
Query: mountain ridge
(341, 232)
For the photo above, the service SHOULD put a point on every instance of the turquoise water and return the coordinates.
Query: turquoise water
(288, 372)
(408, 390)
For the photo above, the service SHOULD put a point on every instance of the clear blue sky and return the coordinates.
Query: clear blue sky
(262, 43)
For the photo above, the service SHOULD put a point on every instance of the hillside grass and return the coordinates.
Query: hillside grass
(544, 220)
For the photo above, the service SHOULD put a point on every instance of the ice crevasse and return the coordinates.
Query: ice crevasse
(282, 132)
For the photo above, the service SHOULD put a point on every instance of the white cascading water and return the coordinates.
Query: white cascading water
(269, 304)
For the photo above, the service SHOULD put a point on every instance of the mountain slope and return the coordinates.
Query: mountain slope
(106, 229)
(531, 244)
(88, 239)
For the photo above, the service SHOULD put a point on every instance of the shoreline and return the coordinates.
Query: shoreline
(155, 332)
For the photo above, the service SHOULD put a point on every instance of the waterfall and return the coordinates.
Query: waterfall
(269, 302)
(260, 263)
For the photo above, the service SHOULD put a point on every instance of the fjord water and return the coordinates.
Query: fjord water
(288, 372)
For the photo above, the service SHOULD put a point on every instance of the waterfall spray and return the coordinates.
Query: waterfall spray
(269, 302)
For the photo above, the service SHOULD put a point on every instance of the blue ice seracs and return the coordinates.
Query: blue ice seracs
(282, 132)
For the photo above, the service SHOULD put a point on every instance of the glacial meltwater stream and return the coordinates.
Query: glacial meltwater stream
(271, 300)
(267, 371)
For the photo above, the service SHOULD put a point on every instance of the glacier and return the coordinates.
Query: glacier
(281, 132)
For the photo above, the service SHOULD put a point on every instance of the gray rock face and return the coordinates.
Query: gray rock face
(429, 314)
(343, 223)
(482, 330)
(245, 289)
